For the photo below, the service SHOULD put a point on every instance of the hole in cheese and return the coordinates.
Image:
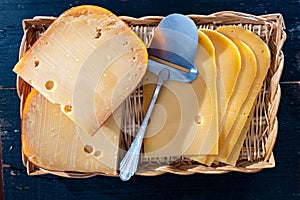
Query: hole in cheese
(198, 119)
(68, 108)
(36, 63)
(49, 85)
(125, 43)
(97, 153)
(98, 33)
(88, 148)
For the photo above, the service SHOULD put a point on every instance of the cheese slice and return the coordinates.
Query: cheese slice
(262, 55)
(234, 156)
(184, 119)
(88, 61)
(244, 82)
(228, 61)
(50, 140)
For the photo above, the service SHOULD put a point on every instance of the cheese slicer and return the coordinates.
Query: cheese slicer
(171, 57)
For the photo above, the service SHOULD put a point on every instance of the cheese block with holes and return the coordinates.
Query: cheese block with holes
(185, 119)
(50, 140)
(88, 61)
(244, 82)
(237, 134)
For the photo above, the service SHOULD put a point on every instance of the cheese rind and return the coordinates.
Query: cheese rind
(262, 55)
(184, 120)
(88, 61)
(50, 140)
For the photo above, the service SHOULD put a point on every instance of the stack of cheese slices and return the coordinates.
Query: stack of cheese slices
(238, 86)
(207, 120)
(89, 61)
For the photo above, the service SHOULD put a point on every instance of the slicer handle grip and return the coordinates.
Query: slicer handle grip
(129, 163)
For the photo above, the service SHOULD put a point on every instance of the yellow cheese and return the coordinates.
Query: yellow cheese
(244, 82)
(184, 120)
(228, 61)
(262, 55)
(232, 159)
(88, 61)
(50, 140)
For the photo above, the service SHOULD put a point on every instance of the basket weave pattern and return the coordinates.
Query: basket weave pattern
(256, 153)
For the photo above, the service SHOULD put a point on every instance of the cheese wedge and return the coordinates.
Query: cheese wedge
(50, 140)
(244, 82)
(88, 61)
(262, 55)
(184, 119)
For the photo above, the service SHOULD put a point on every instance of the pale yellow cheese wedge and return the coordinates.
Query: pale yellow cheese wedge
(228, 61)
(50, 140)
(184, 120)
(244, 82)
(88, 61)
(262, 55)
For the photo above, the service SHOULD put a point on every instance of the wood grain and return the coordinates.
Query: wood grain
(282, 182)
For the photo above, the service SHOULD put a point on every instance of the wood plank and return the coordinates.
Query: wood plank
(282, 182)
(1, 173)
(11, 30)
(9, 109)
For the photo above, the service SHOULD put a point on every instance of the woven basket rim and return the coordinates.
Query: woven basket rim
(154, 19)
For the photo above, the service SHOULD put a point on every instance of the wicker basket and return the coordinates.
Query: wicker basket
(256, 153)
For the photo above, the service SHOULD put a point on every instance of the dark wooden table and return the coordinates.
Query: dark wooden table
(281, 182)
